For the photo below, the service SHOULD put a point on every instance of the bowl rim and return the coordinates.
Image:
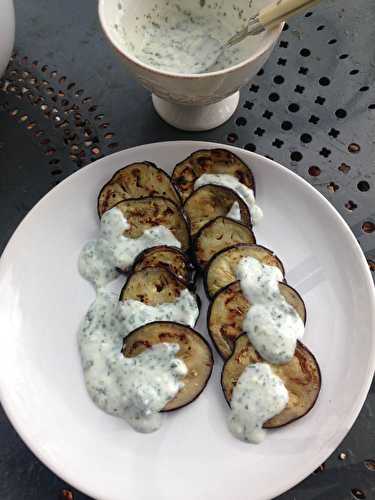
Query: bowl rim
(276, 32)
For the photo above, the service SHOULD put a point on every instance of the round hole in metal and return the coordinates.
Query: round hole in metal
(354, 148)
(314, 171)
(56, 171)
(274, 97)
(324, 81)
(306, 138)
(340, 113)
(363, 186)
(357, 493)
(66, 495)
(296, 156)
(305, 52)
(232, 138)
(278, 79)
(293, 107)
(286, 125)
(241, 121)
(370, 464)
(368, 227)
(250, 147)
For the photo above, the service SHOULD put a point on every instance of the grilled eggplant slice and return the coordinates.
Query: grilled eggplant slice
(218, 235)
(138, 180)
(152, 286)
(221, 269)
(209, 202)
(194, 351)
(144, 213)
(212, 161)
(169, 258)
(301, 376)
(228, 309)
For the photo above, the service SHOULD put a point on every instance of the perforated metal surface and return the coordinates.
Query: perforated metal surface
(67, 100)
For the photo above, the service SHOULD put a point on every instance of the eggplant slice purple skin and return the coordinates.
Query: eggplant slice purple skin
(231, 307)
(145, 213)
(171, 258)
(238, 251)
(226, 233)
(301, 376)
(195, 351)
(209, 161)
(209, 202)
(137, 180)
(154, 286)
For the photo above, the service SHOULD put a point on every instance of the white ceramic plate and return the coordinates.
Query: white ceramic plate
(193, 456)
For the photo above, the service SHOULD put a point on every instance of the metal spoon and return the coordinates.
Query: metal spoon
(267, 18)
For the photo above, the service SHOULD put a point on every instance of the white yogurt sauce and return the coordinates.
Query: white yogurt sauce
(272, 324)
(258, 396)
(100, 259)
(232, 182)
(178, 40)
(135, 389)
(235, 212)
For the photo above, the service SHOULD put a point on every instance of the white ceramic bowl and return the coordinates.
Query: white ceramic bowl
(7, 29)
(189, 101)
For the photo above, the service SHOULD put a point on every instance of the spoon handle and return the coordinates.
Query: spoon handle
(279, 11)
(270, 17)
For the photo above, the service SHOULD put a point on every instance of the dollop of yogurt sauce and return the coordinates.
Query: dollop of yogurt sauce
(258, 396)
(135, 389)
(100, 259)
(232, 182)
(235, 212)
(272, 325)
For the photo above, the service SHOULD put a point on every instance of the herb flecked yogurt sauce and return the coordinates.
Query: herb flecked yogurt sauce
(272, 325)
(100, 259)
(180, 41)
(258, 396)
(232, 182)
(135, 389)
(185, 36)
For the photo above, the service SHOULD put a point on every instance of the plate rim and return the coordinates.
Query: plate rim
(360, 257)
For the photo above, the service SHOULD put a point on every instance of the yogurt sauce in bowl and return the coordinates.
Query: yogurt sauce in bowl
(186, 37)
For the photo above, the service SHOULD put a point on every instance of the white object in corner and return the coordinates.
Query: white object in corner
(7, 31)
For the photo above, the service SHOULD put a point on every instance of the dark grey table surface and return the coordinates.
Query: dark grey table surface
(66, 100)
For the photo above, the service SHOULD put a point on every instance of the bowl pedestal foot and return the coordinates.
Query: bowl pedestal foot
(196, 118)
